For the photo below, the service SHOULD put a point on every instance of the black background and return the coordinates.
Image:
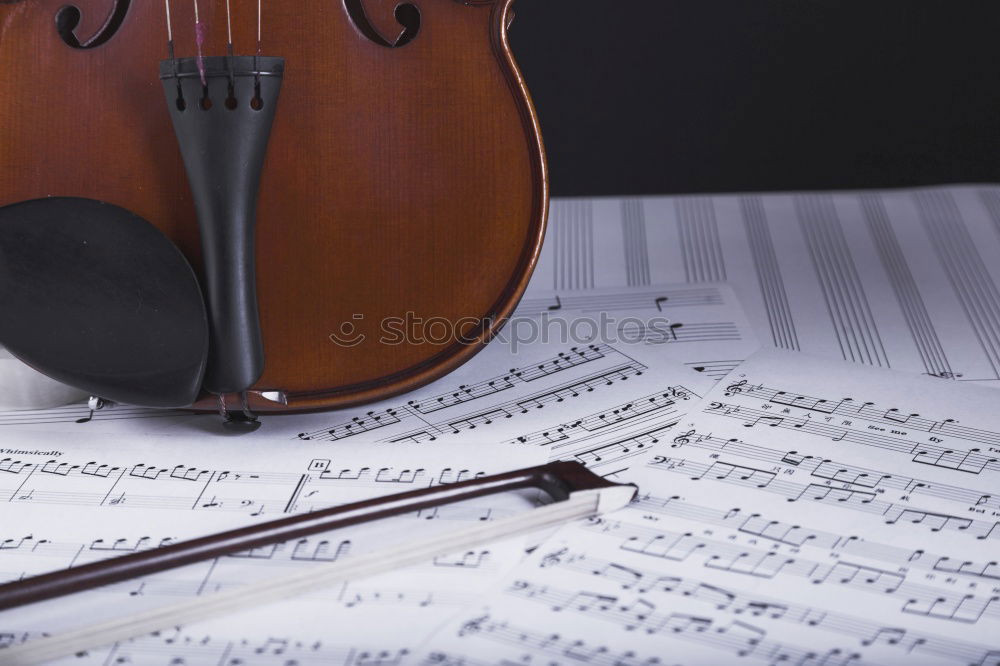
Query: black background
(647, 96)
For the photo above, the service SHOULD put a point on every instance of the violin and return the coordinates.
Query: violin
(359, 185)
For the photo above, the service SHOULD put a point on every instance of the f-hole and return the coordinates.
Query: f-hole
(407, 15)
(68, 19)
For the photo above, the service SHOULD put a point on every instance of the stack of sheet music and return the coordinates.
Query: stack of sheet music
(828, 499)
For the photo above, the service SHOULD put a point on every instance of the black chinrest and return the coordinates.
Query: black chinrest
(96, 297)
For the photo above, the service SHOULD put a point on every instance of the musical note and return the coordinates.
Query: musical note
(94, 404)
(967, 567)
(725, 471)
(936, 521)
(968, 608)
(467, 560)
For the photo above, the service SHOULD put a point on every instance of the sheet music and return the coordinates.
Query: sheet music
(903, 279)
(808, 511)
(702, 326)
(597, 402)
(69, 503)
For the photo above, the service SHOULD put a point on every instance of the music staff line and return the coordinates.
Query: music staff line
(698, 332)
(619, 450)
(631, 411)
(180, 647)
(139, 485)
(741, 603)
(714, 369)
(843, 290)
(781, 319)
(719, 555)
(624, 434)
(563, 361)
(848, 407)
(621, 300)
(701, 246)
(965, 269)
(863, 500)
(741, 638)
(802, 536)
(572, 240)
(614, 434)
(521, 637)
(905, 287)
(345, 595)
(360, 476)
(373, 420)
(831, 470)
(431, 431)
(970, 461)
(82, 414)
(348, 594)
(306, 549)
(636, 245)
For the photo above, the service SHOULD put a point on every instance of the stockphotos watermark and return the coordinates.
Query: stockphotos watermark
(602, 328)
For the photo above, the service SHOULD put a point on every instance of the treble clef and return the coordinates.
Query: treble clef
(736, 388)
(678, 393)
(683, 439)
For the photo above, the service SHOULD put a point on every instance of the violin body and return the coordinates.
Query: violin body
(403, 197)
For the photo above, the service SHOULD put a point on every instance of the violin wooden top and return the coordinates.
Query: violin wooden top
(402, 184)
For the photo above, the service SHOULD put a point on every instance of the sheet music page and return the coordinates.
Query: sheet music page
(808, 511)
(904, 279)
(72, 502)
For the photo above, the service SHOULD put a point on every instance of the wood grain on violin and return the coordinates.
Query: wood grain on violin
(404, 194)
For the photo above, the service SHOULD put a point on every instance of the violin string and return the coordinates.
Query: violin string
(260, 18)
(256, 64)
(229, 54)
(229, 29)
(199, 37)
(170, 52)
(170, 32)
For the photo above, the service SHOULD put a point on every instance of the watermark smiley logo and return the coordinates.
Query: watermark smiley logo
(348, 335)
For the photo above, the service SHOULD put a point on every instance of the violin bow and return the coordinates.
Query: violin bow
(576, 493)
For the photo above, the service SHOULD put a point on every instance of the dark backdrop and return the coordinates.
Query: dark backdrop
(645, 96)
